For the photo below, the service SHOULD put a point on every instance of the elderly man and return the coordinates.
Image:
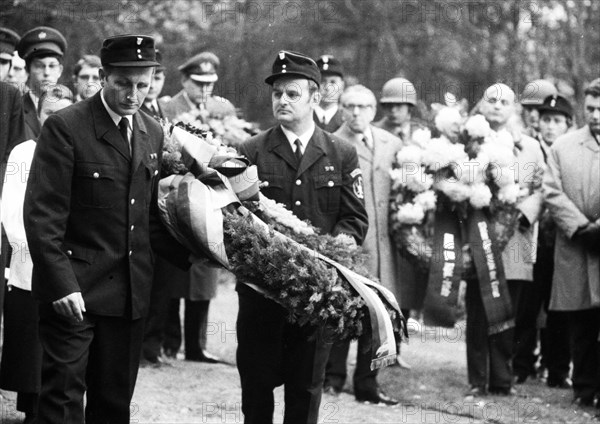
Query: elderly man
(43, 49)
(572, 194)
(498, 107)
(198, 78)
(328, 115)
(91, 214)
(376, 149)
(317, 176)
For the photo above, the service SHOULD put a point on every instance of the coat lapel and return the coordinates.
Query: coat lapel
(589, 141)
(279, 145)
(106, 129)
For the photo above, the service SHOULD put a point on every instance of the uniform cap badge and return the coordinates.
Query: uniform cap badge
(281, 55)
(42, 35)
(139, 41)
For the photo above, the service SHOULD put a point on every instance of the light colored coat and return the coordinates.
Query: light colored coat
(572, 193)
(375, 165)
(519, 254)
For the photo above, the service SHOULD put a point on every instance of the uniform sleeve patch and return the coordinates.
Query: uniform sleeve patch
(357, 186)
(355, 173)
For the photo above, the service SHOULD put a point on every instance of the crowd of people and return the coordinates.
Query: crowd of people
(86, 301)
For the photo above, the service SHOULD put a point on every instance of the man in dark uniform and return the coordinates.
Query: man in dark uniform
(328, 115)
(8, 41)
(90, 215)
(198, 78)
(316, 175)
(43, 49)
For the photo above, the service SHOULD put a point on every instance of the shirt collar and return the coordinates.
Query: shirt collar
(304, 138)
(325, 115)
(116, 118)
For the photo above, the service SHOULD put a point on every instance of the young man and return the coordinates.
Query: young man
(152, 104)
(376, 149)
(43, 49)
(17, 75)
(91, 214)
(86, 77)
(317, 176)
(328, 115)
(572, 194)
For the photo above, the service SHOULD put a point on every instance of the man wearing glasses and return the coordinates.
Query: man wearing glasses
(86, 77)
(376, 150)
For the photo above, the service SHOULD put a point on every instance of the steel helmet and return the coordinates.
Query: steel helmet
(399, 90)
(537, 91)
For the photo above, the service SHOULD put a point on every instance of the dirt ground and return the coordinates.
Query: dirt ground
(432, 392)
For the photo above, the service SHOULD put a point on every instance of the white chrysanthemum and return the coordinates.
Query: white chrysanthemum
(421, 137)
(455, 190)
(427, 200)
(502, 176)
(509, 194)
(499, 154)
(505, 138)
(418, 181)
(410, 213)
(480, 196)
(448, 121)
(409, 155)
(473, 171)
(440, 153)
(477, 126)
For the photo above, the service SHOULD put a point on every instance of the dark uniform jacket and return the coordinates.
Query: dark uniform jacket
(334, 124)
(90, 210)
(32, 122)
(326, 188)
(160, 104)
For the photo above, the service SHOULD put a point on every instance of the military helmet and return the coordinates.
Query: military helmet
(536, 92)
(399, 90)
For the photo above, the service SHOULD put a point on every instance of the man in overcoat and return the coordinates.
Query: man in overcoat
(91, 215)
(572, 194)
(317, 176)
(376, 150)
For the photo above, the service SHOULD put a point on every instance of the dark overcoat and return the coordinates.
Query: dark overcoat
(90, 211)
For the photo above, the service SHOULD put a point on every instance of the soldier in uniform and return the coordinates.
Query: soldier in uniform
(198, 78)
(398, 101)
(91, 214)
(328, 115)
(43, 49)
(86, 77)
(8, 41)
(532, 97)
(376, 149)
(317, 176)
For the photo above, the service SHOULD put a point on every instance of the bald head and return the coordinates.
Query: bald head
(498, 105)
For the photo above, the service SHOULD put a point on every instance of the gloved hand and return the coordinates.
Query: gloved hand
(589, 236)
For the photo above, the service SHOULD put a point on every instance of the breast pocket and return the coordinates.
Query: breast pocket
(328, 189)
(273, 187)
(94, 185)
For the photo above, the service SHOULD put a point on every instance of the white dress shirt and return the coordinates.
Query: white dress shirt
(304, 138)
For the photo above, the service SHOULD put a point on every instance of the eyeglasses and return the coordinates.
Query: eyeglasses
(360, 107)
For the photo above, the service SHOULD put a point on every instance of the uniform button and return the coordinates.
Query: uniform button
(298, 203)
(96, 175)
(132, 227)
(132, 201)
(330, 183)
(265, 184)
(69, 252)
(156, 172)
(130, 252)
(298, 182)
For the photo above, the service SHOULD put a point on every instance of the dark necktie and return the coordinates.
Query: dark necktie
(123, 126)
(366, 141)
(153, 110)
(298, 150)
